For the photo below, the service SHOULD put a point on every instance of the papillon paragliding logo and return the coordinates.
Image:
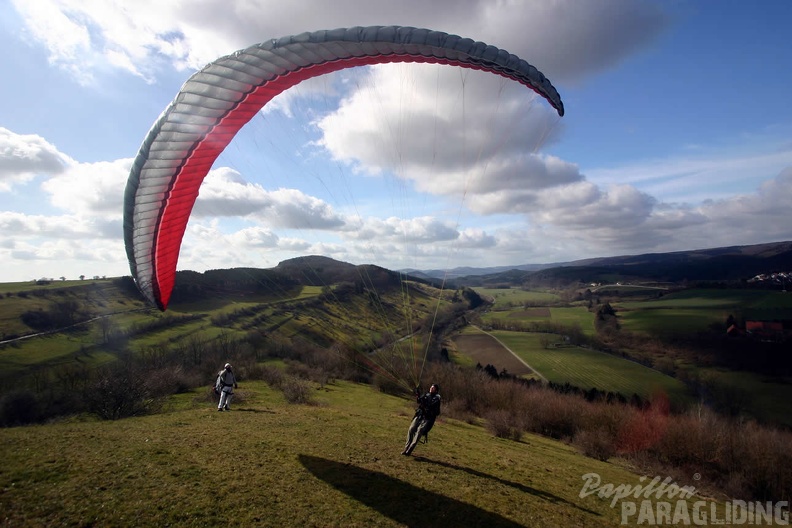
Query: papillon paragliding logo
(215, 103)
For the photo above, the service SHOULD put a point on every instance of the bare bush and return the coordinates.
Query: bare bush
(272, 376)
(171, 380)
(121, 392)
(307, 372)
(765, 457)
(503, 424)
(387, 385)
(598, 443)
(298, 391)
(643, 430)
(467, 389)
(552, 414)
(456, 409)
(18, 407)
(691, 440)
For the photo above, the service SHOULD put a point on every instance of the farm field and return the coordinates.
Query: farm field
(574, 365)
(484, 349)
(671, 320)
(587, 369)
(767, 399)
(569, 316)
(697, 310)
(509, 297)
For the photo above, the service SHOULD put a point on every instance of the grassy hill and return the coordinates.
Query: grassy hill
(321, 302)
(99, 350)
(269, 463)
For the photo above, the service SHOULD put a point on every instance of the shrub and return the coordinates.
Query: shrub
(387, 385)
(170, 380)
(503, 424)
(18, 407)
(306, 372)
(598, 443)
(121, 392)
(272, 376)
(551, 414)
(643, 430)
(456, 409)
(297, 391)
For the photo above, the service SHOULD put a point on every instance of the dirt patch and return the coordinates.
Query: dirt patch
(543, 312)
(486, 350)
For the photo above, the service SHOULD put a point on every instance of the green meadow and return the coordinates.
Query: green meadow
(768, 398)
(269, 463)
(577, 316)
(509, 297)
(587, 369)
(114, 313)
(696, 310)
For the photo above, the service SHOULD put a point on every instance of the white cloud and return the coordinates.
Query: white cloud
(23, 157)
(414, 118)
(19, 227)
(256, 237)
(90, 188)
(476, 239)
(225, 193)
(713, 173)
(86, 35)
(404, 230)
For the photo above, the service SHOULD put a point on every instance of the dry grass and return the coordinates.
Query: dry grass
(269, 463)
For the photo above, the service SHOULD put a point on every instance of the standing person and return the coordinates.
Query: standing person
(226, 383)
(426, 413)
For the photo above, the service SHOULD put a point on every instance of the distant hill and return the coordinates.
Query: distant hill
(734, 263)
(467, 271)
(316, 270)
(310, 270)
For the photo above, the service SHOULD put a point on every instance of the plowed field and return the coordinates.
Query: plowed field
(486, 350)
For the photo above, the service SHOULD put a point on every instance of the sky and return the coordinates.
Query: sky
(677, 134)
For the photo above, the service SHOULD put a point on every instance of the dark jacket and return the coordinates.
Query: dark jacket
(429, 406)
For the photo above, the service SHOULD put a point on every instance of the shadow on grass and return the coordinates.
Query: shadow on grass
(399, 500)
(252, 410)
(521, 487)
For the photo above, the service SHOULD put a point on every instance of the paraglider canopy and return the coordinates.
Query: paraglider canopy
(216, 102)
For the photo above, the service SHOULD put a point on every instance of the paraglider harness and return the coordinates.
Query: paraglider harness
(428, 409)
(221, 382)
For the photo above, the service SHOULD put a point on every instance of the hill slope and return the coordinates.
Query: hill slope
(268, 463)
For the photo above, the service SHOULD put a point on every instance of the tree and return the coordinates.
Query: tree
(474, 299)
(605, 319)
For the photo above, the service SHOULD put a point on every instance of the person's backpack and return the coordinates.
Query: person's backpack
(218, 386)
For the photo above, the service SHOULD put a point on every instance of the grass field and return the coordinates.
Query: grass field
(267, 463)
(768, 399)
(584, 368)
(696, 310)
(566, 315)
(509, 297)
(483, 349)
(349, 322)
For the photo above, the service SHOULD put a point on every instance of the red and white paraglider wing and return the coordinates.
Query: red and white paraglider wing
(217, 101)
